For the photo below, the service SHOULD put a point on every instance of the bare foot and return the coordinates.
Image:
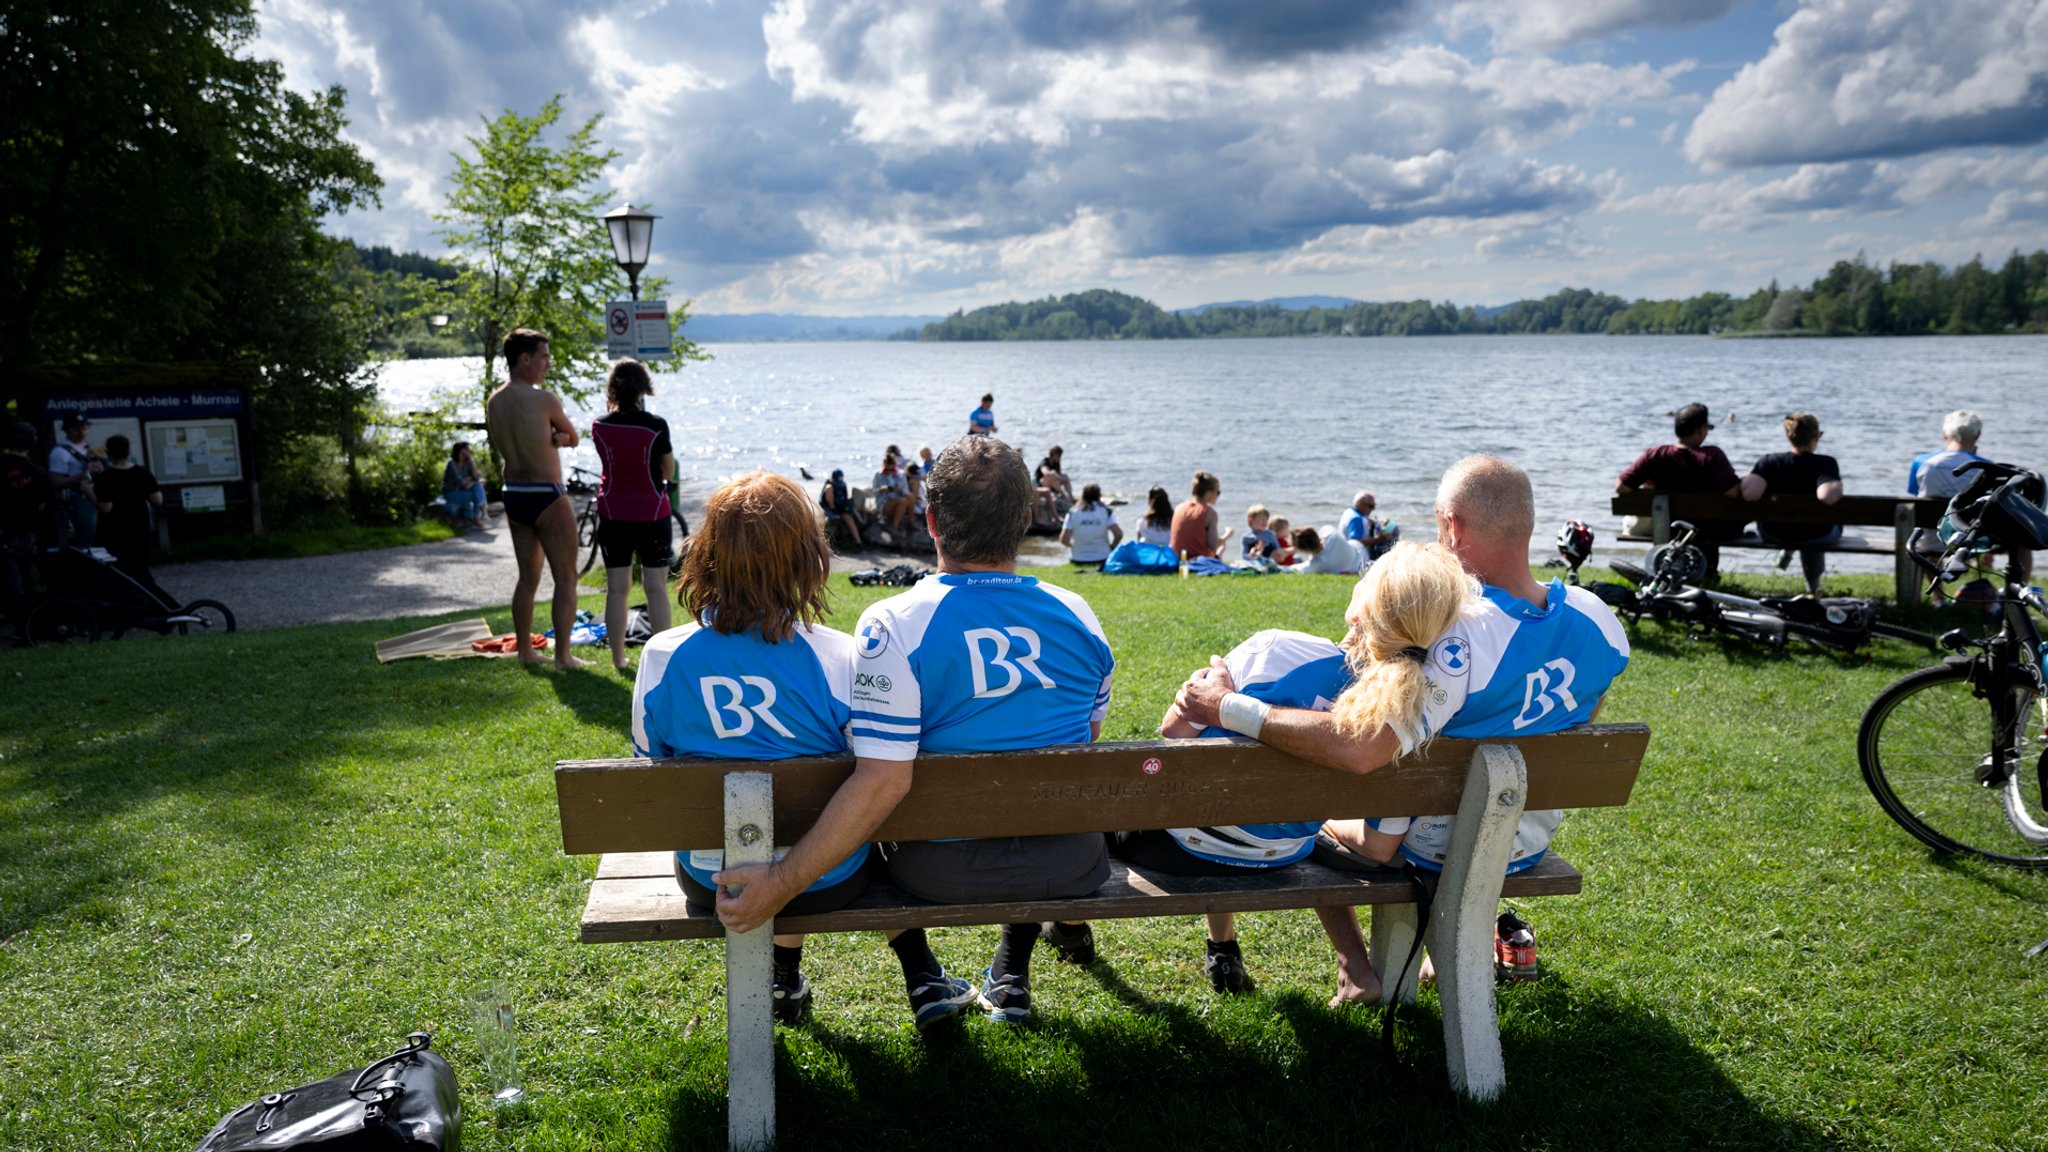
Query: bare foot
(622, 668)
(565, 662)
(530, 656)
(1349, 991)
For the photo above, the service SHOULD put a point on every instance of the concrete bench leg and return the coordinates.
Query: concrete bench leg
(1461, 918)
(1394, 927)
(1906, 574)
(749, 973)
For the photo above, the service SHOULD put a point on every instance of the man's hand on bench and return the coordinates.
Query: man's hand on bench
(1201, 698)
(749, 895)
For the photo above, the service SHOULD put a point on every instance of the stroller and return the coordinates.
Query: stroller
(83, 597)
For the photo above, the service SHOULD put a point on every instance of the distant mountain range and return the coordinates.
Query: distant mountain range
(765, 327)
(1291, 303)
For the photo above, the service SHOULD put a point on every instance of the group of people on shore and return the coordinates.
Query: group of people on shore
(1690, 465)
(753, 673)
(1194, 529)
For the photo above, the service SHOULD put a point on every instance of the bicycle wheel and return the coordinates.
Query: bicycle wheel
(62, 620)
(1925, 747)
(586, 538)
(214, 617)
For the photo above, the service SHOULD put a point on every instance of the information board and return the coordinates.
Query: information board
(637, 328)
(194, 451)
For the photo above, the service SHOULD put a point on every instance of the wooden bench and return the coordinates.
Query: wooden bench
(638, 812)
(1902, 514)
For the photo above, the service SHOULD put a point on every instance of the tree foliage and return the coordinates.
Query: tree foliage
(523, 221)
(1852, 299)
(162, 192)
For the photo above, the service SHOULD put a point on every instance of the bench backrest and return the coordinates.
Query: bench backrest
(661, 805)
(1858, 510)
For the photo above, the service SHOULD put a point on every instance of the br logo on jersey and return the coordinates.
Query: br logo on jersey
(1545, 689)
(997, 657)
(1454, 654)
(873, 638)
(734, 706)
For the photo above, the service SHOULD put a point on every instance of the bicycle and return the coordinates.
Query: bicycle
(583, 485)
(1669, 592)
(1955, 782)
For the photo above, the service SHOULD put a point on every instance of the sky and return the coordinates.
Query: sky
(869, 157)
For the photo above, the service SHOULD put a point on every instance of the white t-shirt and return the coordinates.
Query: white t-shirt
(1090, 527)
(1151, 533)
(68, 459)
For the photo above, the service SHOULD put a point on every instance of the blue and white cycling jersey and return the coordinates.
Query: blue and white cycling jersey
(977, 662)
(738, 697)
(1286, 670)
(1934, 473)
(1355, 526)
(1511, 668)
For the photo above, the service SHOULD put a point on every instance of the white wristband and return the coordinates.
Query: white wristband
(1242, 714)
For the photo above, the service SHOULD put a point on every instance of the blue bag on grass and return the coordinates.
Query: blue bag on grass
(1137, 558)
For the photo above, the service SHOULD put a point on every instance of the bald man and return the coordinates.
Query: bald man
(1523, 660)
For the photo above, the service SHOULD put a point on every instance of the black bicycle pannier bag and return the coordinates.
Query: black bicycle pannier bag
(1847, 619)
(406, 1102)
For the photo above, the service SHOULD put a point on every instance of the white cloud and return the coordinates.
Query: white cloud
(1848, 79)
(1541, 25)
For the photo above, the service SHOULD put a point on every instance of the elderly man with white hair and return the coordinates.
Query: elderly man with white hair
(1934, 473)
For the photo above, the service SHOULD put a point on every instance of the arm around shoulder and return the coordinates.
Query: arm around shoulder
(750, 895)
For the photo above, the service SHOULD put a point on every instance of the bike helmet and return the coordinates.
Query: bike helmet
(1575, 543)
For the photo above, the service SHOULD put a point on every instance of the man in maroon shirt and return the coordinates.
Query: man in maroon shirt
(1690, 465)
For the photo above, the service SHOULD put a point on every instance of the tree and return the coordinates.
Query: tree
(162, 193)
(523, 219)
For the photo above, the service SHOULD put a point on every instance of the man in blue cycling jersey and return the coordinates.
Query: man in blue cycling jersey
(1523, 661)
(976, 659)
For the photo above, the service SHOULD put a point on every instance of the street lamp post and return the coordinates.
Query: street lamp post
(632, 236)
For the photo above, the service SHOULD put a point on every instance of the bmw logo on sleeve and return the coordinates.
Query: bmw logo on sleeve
(873, 638)
(1454, 655)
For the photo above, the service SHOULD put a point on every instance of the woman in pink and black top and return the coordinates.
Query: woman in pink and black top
(632, 502)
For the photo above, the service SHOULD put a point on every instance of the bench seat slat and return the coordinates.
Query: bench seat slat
(628, 903)
(1847, 543)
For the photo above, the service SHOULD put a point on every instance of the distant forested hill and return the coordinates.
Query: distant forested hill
(1854, 298)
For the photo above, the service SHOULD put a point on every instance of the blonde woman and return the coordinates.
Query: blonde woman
(1376, 676)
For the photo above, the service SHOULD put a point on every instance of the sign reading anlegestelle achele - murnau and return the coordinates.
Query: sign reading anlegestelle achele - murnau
(147, 404)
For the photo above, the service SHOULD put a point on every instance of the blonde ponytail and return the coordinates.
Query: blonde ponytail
(1405, 601)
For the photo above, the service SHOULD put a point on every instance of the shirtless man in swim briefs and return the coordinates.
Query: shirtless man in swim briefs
(527, 424)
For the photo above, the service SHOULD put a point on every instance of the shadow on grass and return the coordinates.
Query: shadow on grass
(1154, 1074)
(597, 695)
(238, 741)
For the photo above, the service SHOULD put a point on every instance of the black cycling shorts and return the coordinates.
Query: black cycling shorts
(652, 541)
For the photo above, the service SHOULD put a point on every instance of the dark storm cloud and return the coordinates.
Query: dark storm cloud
(1273, 29)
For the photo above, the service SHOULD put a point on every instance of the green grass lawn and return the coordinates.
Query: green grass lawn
(230, 864)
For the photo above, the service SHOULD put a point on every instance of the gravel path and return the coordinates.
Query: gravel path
(474, 570)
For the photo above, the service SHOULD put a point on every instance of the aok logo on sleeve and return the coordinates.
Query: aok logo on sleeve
(998, 658)
(735, 706)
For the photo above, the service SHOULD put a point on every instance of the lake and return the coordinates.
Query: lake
(1299, 425)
